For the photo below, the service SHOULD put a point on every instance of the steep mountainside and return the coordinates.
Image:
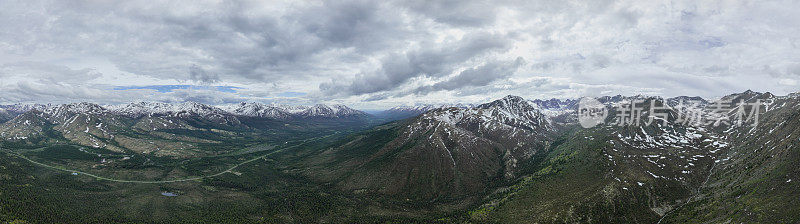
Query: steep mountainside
(670, 173)
(399, 113)
(5, 115)
(445, 154)
(8, 112)
(82, 123)
(404, 112)
(757, 179)
(611, 173)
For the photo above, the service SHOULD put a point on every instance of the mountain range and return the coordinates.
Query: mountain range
(510, 160)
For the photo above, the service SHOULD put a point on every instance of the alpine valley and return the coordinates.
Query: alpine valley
(511, 160)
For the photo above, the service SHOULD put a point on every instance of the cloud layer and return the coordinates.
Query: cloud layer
(374, 54)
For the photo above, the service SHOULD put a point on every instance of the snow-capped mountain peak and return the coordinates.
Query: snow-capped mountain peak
(64, 111)
(253, 109)
(22, 108)
(287, 111)
(515, 109)
(140, 109)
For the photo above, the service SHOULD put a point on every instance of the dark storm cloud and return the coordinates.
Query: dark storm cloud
(431, 60)
(475, 77)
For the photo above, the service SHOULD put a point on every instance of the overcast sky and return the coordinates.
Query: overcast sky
(378, 54)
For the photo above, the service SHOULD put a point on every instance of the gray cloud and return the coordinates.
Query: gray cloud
(201, 75)
(235, 38)
(475, 77)
(383, 52)
(432, 60)
(455, 12)
(45, 72)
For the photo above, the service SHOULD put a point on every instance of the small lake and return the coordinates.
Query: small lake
(169, 194)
